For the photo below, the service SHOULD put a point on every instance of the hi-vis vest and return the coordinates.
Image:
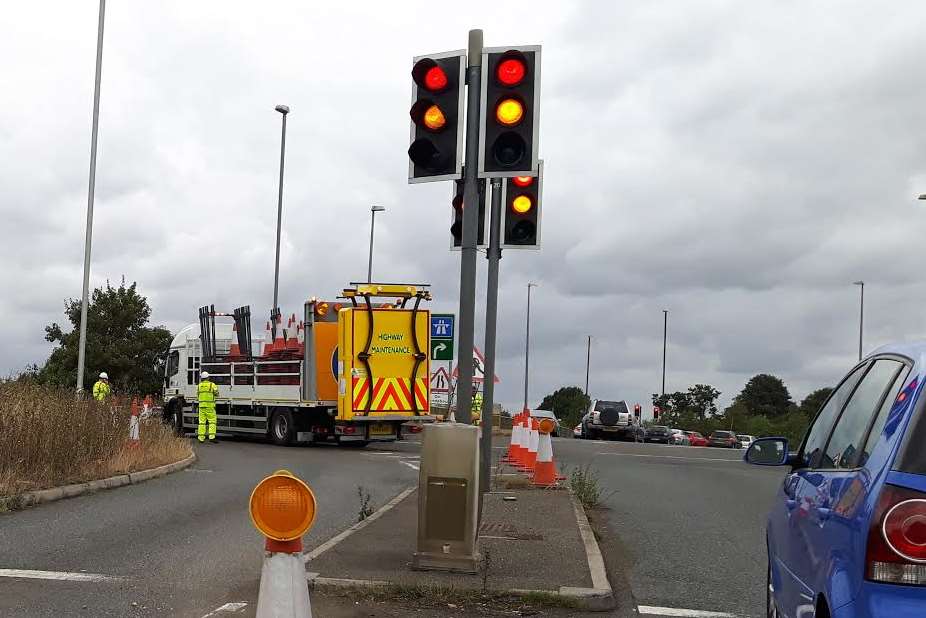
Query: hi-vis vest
(206, 393)
(101, 390)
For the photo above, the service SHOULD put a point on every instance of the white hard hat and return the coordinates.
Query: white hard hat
(205, 375)
(103, 376)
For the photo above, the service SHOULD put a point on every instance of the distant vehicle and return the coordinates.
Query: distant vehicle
(846, 535)
(696, 439)
(723, 439)
(608, 419)
(577, 431)
(745, 440)
(679, 437)
(658, 433)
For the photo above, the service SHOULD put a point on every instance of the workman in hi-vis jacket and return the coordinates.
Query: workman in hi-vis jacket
(206, 393)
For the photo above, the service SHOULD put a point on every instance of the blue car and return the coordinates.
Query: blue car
(847, 533)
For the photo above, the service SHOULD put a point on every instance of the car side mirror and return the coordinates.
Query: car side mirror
(767, 452)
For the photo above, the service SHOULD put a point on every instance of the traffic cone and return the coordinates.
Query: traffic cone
(133, 424)
(513, 443)
(235, 348)
(523, 440)
(279, 343)
(533, 443)
(283, 587)
(146, 406)
(268, 340)
(292, 341)
(300, 338)
(545, 469)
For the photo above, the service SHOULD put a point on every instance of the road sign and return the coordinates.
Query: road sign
(442, 349)
(442, 325)
(440, 381)
(479, 372)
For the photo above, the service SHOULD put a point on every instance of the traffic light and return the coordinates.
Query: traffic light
(456, 228)
(655, 413)
(436, 150)
(637, 411)
(510, 111)
(521, 217)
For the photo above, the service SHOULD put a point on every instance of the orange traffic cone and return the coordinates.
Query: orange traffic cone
(292, 334)
(133, 424)
(268, 340)
(533, 443)
(545, 469)
(279, 343)
(524, 440)
(235, 348)
(513, 443)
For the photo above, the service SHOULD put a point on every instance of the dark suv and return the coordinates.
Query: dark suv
(723, 439)
(658, 433)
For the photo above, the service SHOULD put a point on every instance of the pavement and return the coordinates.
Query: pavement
(181, 545)
(686, 525)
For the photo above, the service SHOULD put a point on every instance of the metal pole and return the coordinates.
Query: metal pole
(370, 262)
(283, 109)
(861, 316)
(665, 336)
(85, 294)
(527, 342)
(470, 223)
(588, 362)
(494, 254)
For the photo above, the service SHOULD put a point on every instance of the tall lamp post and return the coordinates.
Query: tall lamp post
(527, 342)
(861, 314)
(665, 338)
(284, 110)
(373, 210)
(588, 362)
(85, 294)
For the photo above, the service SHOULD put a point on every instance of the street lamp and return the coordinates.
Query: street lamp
(373, 210)
(527, 342)
(284, 110)
(85, 294)
(588, 362)
(665, 337)
(861, 314)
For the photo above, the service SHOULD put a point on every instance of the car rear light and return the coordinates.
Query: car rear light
(897, 538)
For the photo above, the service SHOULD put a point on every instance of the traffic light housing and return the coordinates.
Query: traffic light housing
(637, 411)
(521, 199)
(655, 413)
(509, 117)
(436, 143)
(456, 226)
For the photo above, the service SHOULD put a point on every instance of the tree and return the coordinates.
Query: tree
(119, 342)
(699, 401)
(814, 401)
(765, 395)
(568, 403)
(703, 398)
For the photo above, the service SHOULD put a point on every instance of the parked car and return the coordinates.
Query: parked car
(723, 439)
(846, 534)
(679, 437)
(696, 439)
(608, 420)
(745, 440)
(658, 433)
(577, 431)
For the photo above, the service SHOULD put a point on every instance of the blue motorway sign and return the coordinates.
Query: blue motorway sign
(442, 325)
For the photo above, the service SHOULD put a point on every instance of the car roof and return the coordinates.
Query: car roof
(914, 350)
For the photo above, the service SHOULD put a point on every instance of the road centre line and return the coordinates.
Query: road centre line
(57, 575)
(228, 608)
(672, 457)
(411, 465)
(647, 610)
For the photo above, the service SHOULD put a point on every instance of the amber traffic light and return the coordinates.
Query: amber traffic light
(521, 198)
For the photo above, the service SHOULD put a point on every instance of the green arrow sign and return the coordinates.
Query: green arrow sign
(442, 349)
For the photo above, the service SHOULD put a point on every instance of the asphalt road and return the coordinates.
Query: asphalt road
(690, 523)
(181, 545)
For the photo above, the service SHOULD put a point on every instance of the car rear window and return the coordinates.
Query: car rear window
(658, 428)
(618, 406)
(722, 434)
(742, 437)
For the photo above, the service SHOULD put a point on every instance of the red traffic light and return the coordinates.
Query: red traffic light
(523, 181)
(435, 79)
(511, 71)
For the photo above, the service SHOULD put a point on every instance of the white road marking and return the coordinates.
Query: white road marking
(646, 610)
(57, 575)
(411, 465)
(228, 608)
(673, 457)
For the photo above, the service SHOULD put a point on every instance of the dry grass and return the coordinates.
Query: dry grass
(48, 438)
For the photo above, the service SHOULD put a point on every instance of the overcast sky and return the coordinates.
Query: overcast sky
(739, 164)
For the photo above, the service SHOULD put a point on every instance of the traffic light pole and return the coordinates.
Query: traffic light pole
(470, 225)
(494, 254)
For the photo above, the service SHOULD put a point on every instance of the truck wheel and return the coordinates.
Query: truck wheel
(282, 429)
(174, 416)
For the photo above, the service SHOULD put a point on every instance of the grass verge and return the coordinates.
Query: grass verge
(50, 439)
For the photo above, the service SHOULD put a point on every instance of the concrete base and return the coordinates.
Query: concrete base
(284, 592)
(449, 563)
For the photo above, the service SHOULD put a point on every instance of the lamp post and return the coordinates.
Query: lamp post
(527, 342)
(665, 337)
(85, 294)
(861, 314)
(588, 362)
(373, 210)
(284, 110)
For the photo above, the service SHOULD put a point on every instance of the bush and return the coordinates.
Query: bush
(50, 438)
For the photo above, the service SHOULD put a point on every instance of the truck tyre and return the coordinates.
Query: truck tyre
(282, 428)
(173, 416)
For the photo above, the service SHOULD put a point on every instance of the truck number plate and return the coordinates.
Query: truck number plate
(381, 429)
